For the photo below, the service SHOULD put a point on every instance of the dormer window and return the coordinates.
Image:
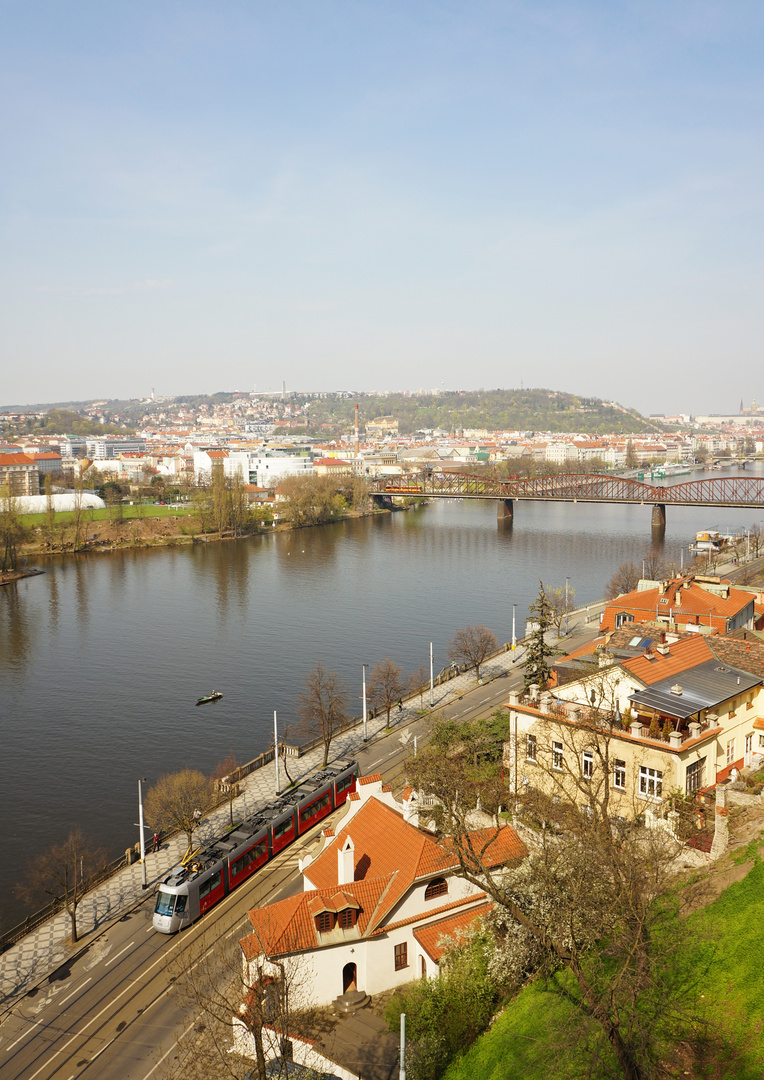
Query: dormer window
(437, 887)
(346, 918)
(325, 922)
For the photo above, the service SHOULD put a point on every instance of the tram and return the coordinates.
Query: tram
(212, 872)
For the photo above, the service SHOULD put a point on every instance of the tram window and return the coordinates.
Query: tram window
(165, 903)
(180, 904)
(248, 857)
(209, 885)
(284, 827)
(344, 784)
(308, 812)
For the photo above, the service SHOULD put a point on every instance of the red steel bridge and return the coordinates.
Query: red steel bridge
(734, 491)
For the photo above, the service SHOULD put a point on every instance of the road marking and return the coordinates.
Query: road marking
(76, 991)
(177, 1042)
(119, 954)
(150, 928)
(24, 1034)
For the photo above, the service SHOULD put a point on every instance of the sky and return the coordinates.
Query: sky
(235, 194)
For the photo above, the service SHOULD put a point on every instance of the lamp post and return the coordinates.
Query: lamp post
(432, 683)
(364, 666)
(514, 639)
(276, 751)
(144, 883)
(567, 579)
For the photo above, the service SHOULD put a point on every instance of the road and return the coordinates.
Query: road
(111, 1015)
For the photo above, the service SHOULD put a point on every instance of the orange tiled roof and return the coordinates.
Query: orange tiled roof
(682, 656)
(289, 925)
(465, 900)
(429, 936)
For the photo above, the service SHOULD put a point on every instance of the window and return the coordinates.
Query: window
(346, 918)
(437, 887)
(257, 852)
(650, 782)
(557, 758)
(325, 922)
(694, 776)
(530, 747)
(210, 884)
(283, 828)
(730, 751)
(401, 960)
(619, 774)
(587, 765)
(622, 618)
(761, 740)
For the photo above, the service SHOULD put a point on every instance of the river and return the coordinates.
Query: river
(103, 657)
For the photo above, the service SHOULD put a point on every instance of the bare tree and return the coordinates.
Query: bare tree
(65, 872)
(178, 801)
(387, 685)
(624, 580)
(78, 511)
(560, 601)
(50, 510)
(244, 1011)
(323, 705)
(223, 771)
(12, 531)
(472, 646)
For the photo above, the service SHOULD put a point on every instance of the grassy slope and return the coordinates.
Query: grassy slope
(31, 521)
(727, 957)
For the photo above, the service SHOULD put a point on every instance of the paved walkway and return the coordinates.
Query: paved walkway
(29, 962)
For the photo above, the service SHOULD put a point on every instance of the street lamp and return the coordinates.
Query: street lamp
(432, 683)
(144, 882)
(567, 579)
(364, 666)
(276, 751)
(514, 639)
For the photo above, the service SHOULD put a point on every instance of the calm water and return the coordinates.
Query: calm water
(102, 659)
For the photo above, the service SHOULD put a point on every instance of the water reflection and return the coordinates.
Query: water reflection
(16, 636)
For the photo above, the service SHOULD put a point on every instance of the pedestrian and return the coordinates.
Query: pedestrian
(400, 705)
(156, 841)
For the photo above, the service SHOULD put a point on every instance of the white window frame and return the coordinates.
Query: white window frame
(650, 782)
(619, 775)
(730, 751)
(558, 757)
(530, 748)
(587, 764)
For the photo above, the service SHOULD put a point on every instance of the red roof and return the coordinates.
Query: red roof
(430, 936)
(682, 656)
(16, 459)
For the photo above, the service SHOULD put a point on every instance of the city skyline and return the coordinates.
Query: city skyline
(385, 195)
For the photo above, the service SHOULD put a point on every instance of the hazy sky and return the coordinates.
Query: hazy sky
(382, 195)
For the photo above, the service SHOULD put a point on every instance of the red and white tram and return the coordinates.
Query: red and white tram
(188, 891)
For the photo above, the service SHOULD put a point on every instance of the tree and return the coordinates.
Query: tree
(632, 460)
(537, 653)
(472, 646)
(50, 510)
(587, 909)
(112, 493)
(12, 531)
(77, 512)
(222, 770)
(387, 685)
(624, 580)
(65, 872)
(560, 601)
(654, 567)
(260, 1002)
(323, 705)
(178, 801)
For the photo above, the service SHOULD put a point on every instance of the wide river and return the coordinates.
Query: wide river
(103, 657)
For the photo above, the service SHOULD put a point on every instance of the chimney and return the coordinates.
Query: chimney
(346, 863)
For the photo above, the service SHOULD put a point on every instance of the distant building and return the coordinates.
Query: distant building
(382, 427)
(19, 473)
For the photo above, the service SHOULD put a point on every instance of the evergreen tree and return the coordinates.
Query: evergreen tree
(537, 654)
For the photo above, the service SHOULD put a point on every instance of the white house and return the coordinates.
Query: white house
(379, 898)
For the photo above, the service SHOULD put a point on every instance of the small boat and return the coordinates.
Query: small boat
(214, 696)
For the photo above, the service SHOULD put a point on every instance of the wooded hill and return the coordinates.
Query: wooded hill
(494, 410)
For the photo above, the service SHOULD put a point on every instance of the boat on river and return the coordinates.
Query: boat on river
(214, 696)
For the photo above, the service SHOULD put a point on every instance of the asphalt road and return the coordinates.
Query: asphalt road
(111, 1014)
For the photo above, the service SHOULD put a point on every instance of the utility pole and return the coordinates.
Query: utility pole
(276, 752)
(144, 882)
(431, 678)
(364, 702)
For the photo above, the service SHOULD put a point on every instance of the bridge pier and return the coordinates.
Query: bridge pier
(505, 509)
(659, 517)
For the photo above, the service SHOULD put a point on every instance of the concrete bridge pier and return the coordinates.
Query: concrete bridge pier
(505, 510)
(659, 517)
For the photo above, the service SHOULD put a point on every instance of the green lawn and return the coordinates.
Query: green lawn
(148, 511)
(725, 964)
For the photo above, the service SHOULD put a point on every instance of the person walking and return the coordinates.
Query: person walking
(156, 842)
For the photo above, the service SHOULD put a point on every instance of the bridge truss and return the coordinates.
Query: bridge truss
(733, 491)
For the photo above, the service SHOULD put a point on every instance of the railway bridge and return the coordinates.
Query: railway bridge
(740, 492)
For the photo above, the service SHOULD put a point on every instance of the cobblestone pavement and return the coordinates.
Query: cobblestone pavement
(28, 962)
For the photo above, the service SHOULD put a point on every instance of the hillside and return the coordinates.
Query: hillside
(507, 410)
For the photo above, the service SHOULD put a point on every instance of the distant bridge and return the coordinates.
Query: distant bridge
(741, 492)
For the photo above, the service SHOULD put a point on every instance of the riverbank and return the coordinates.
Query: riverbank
(9, 576)
(142, 527)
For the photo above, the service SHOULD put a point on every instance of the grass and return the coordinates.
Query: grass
(128, 512)
(724, 958)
